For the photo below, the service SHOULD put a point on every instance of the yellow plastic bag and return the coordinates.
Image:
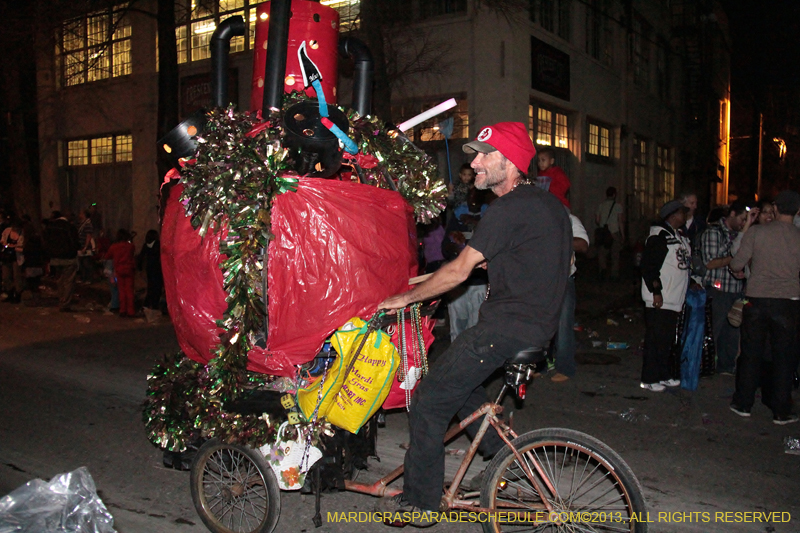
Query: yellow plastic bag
(368, 383)
(342, 341)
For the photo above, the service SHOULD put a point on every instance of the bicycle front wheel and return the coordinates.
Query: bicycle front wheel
(594, 489)
(234, 490)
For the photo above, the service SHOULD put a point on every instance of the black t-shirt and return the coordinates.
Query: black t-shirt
(526, 236)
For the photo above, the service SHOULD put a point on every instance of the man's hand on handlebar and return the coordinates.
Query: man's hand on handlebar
(393, 303)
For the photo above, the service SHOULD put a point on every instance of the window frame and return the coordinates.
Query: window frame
(83, 56)
(552, 16)
(640, 50)
(665, 174)
(535, 125)
(599, 157)
(188, 18)
(599, 34)
(643, 179)
(116, 156)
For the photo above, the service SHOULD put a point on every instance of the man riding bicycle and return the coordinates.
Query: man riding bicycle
(525, 241)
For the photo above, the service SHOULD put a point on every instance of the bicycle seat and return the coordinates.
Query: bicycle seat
(528, 356)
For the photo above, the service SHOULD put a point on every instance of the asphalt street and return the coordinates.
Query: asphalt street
(71, 387)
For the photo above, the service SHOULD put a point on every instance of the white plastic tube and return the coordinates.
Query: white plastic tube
(425, 115)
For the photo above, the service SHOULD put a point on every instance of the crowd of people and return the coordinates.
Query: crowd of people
(683, 252)
(77, 252)
(746, 261)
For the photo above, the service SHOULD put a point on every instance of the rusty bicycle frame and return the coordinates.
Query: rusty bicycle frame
(452, 499)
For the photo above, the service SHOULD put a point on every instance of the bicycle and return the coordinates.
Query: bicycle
(550, 479)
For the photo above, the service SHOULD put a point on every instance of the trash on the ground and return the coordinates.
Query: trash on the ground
(454, 451)
(82, 318)
(791, 445)
(153, 316)
(597, 344)
(594, 335)
(616, 345)
(630, 415)
(68, 503)
(612, 322)
(577, 327)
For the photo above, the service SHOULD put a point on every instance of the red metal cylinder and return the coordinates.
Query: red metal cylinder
(312, 22)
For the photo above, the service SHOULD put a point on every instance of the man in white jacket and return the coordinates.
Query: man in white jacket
(666, 265)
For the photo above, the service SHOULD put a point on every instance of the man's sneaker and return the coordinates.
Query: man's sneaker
(671, 382)
(653, 387)
(782, 420)
(397, 512)
(742, 411)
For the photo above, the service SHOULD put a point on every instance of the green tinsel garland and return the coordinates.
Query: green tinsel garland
(230, 188)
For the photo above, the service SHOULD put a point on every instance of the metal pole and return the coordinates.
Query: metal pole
(760, 149)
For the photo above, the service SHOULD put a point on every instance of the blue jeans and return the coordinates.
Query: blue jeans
(453, 387)
(565, 338)
(726, 337)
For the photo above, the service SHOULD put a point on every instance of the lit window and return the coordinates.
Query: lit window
(605, 143)
(196, 25)
(349, 11)
(123, 148)
(545, 128)
(78, 153)
(100, 150)
(599, 140)
(562, 131)
(182, 44)
(94, 47)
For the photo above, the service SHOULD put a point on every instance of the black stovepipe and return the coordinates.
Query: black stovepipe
(277, 44)
(362, 76)
(220, 49)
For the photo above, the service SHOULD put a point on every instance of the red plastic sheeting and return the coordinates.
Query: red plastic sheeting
(340, 248)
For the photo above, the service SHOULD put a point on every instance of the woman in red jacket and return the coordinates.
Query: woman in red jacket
(122, 253)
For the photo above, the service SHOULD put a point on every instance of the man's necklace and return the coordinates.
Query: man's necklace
(520, 182)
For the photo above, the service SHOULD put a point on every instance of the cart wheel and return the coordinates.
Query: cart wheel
(234, 489)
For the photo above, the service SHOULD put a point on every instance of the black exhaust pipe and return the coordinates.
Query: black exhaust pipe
(277, 45)
(362, 77)
(220, 50)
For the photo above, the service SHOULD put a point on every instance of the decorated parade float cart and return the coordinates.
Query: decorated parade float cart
(283, 227)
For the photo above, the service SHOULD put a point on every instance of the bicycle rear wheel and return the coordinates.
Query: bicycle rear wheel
(595, 490)
(234, 490)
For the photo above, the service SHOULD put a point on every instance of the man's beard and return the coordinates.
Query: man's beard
(495, 179)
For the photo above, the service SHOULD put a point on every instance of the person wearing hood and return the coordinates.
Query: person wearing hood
(666, 263)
